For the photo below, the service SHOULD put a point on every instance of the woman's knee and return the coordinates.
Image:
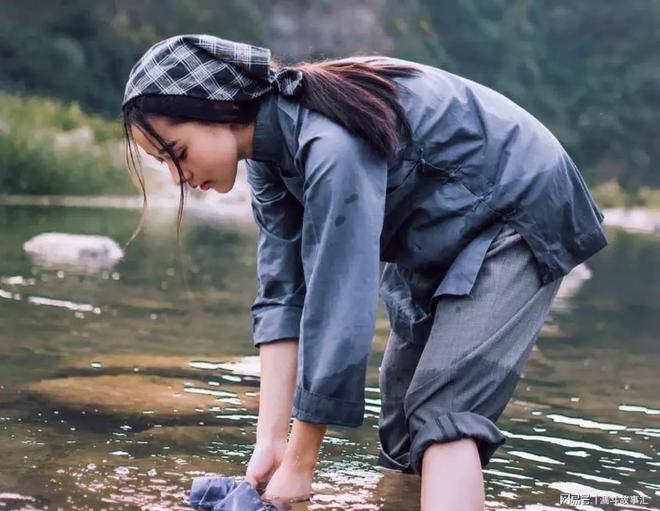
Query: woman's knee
(443, 452)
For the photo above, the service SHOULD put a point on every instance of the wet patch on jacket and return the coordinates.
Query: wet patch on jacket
(338, 396)
(273, 286)
(339, 220)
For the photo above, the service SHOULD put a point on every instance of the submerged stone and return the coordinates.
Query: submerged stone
(75, 251)
(194, 366)
(140, 397)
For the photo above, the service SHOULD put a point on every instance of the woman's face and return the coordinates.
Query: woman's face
(208, 153)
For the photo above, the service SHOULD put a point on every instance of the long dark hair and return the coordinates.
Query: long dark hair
(361, 96)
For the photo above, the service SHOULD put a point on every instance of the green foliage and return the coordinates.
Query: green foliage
(590, 70)
(83, 51)
(609, 194)
(48, 147)
(587, 69)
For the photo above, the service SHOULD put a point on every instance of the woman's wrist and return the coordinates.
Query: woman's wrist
(304, 445)
(267, 439)
(272, 429)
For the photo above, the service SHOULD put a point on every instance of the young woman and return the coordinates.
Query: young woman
(473, 204)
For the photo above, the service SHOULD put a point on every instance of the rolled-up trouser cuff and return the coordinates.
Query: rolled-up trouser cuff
(401, 464)
(454, 426)
(311, 407)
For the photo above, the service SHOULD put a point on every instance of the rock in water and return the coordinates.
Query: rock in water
(146, 397)
(89, 252)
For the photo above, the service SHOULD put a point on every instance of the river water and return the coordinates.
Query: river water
(118, 385)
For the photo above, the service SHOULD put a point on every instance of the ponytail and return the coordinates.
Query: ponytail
(362, 97)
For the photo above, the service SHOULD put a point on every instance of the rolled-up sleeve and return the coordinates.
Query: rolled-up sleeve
(344, 201)
(278, 307)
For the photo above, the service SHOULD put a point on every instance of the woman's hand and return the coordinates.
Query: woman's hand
(265, 460)
(292, 481)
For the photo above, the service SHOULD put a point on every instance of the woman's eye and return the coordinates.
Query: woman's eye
(182, 156)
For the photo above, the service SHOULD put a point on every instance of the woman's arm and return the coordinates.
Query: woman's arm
(276, 312)
(344, 207)
(278, 381)
(278, 378)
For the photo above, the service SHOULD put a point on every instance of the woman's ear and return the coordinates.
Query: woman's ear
(243, 134)
(234, 126)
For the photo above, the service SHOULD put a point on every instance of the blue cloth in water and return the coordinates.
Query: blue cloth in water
(225, 494)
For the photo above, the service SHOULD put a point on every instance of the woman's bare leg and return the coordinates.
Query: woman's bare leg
(452, 477)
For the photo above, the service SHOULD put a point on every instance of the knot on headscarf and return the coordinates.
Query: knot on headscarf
(288, 80)
(207, 67)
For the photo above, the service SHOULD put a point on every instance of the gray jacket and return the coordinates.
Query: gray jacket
(329, 209)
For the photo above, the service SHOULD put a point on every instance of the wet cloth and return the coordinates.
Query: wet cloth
(329, 210)
(207, 67)
(456, 383)
(225, 494)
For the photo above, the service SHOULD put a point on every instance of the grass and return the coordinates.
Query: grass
(48, 147)
(609, 194)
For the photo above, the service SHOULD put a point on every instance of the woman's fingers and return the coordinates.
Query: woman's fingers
(263, 463)
(250, 479)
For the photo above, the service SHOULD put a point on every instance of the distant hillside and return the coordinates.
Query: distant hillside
(580, 67)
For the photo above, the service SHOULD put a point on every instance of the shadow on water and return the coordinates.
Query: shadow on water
(117, 387)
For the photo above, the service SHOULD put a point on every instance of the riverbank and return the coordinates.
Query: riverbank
(643, 220)
(235, 206)
(162, 198)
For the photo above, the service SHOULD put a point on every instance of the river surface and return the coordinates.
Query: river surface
(119, 385)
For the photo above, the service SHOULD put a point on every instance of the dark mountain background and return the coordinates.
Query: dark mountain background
(590, 70)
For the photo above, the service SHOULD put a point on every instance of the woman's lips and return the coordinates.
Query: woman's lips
(206, 185)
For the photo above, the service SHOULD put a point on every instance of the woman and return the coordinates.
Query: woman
(473, 204)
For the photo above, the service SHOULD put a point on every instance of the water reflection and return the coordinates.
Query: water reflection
(117, 388)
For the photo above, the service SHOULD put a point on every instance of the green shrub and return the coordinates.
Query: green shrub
(48, 147)
(610, 194)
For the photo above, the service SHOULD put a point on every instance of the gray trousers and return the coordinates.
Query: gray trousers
(459, 381)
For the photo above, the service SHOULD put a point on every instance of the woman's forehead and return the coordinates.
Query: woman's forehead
(165, 130)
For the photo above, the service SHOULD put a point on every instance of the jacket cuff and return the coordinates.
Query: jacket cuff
(275, 322)
(311, 407)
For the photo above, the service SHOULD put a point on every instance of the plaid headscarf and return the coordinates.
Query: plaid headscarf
(207, 67)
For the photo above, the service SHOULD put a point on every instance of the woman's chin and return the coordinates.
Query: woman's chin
(222, 188)
(207, 186)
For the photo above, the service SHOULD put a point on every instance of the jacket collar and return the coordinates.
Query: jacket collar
(267, 139)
